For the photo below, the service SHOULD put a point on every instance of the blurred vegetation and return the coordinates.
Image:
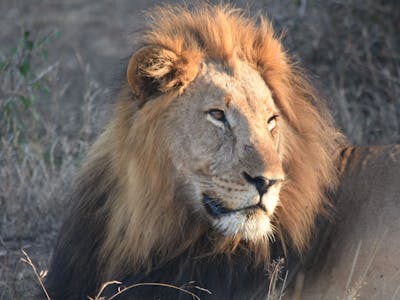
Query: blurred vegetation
(23, 80)
(37, 159)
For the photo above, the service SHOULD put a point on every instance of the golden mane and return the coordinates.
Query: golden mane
(127, 200)
(146, 224)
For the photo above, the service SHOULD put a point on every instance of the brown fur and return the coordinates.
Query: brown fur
(220, 34)
(145, 225)
(357, 256)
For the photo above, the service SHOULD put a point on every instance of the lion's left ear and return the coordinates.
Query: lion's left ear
(153, 70)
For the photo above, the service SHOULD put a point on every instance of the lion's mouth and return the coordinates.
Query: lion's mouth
(216, 209)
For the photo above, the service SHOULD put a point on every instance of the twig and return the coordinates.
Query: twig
(28, 261)
(283, 285)
(353, 266)
(44, 72)
(274, 277)
(123, 290)
(102, 289)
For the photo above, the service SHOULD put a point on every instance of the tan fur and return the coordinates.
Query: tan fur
(144, 215)
(156, 63)
(358, 256)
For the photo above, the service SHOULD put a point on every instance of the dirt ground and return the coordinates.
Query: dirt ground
(351, 49)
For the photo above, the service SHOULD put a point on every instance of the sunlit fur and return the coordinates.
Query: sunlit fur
(143, 216)
(221, 34)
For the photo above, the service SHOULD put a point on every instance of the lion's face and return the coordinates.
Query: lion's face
(224, 143)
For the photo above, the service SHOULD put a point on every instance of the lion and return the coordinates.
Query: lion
(220, 159)
(357, 256)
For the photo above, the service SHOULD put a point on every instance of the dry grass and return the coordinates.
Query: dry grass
(121, 288)
(351, 46)
(38, 160)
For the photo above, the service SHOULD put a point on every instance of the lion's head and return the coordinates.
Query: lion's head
(217, 135)
(216, 131)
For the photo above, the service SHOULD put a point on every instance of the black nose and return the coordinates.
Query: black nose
(261, 183)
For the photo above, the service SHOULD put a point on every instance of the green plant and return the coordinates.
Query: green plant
(21, 84)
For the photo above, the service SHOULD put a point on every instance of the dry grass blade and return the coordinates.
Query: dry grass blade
(353, 266)
(122, 290)
(26, 259)
(98, 296)
(274, 279)
(395, 293)
(281, 293)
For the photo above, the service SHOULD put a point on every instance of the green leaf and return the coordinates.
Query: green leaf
(44, 53)
(26, 101)
(29, 45)
(24, 67)
(13, 51)
(27, 34)
(7, 109)
(3, 65)
(45, 90)
(57, 34)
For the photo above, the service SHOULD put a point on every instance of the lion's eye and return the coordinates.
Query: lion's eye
(217, 114)
(272, 122)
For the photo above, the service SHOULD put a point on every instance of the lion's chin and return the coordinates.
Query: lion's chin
(252, 226)
(251, 223)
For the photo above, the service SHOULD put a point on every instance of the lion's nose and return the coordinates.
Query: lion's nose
(261, 183)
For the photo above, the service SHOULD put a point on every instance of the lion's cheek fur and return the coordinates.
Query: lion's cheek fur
(145, 191)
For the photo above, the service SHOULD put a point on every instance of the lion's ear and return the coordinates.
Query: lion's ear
(153, 70)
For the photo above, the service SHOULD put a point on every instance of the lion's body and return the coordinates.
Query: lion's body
(218, 161)
(362, 249)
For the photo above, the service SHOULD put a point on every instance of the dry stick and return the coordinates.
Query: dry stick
(274, 279)
(374, 251)
(145, 284)
(28, 261)
(283, 285)
(44, 72)
(395, 293)
(102, 289)
(378, 240)
(352, 268)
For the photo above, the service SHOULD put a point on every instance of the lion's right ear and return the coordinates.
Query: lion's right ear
(153, 70)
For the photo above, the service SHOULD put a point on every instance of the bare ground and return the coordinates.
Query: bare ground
(351, 48)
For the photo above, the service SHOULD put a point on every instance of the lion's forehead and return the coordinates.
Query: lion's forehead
(244, 88)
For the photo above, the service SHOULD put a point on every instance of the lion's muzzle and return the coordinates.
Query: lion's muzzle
(216, 209)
